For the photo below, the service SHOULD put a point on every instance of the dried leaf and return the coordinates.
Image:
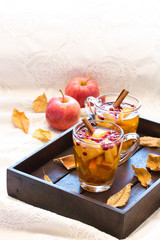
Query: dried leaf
(42, 135)
(40, 103)
(143, 175)
(153, 162)
(150, 141)
(120, 199)
(67, 161)
(20, 120)
(46, 178)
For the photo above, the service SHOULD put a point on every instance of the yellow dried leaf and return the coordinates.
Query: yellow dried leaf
(42, 135)
(67, 161)
(143, 175)
(120, 199)
(46, 178)
(153, 162)
(20, 120)
(40, 103)
(150, 141)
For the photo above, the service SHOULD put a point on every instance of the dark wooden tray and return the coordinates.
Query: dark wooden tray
(66, 197)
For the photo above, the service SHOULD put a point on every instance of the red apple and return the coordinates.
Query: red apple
(82, 87)
(62, 112)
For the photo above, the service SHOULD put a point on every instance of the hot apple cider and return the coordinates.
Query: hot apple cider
(97, 156)
(124, 115)
(121, 109)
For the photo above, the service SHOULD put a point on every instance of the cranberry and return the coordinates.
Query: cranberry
(114, 132)
(96, 140)
(101, 117)
(118, 144)
(84, 153)
(111, 146)
(77, 143)
(116, 137)
(111, 109)
(104, 146)
(110, 138)
(80, 135)
(105, 135)
(83, 130)
(113, 139)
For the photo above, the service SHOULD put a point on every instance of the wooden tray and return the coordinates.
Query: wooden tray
(66, 197)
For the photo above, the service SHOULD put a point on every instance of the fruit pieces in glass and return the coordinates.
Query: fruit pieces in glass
(97, 155)
(125, 115)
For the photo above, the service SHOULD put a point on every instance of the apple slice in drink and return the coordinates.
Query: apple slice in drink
(114, 151)
(98, 133)
(125, 113)
(88, 151)
(108, 156)
(99, 159)
(93, 166)
(109, 116)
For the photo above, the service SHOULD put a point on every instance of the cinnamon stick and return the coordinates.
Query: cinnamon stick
(120, 98)
(88, 125)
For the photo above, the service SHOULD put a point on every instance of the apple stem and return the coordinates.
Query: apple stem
(88, 78)
(62, 94)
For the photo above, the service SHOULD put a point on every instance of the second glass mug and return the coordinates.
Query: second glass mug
(127, 118)
(97, 159)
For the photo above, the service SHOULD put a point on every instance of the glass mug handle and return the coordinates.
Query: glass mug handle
(87, 104)
(127, 154)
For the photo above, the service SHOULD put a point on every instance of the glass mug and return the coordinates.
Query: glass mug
(98, 155)
(127, 116)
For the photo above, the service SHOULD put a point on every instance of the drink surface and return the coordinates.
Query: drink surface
(125, 115)
(97, 155)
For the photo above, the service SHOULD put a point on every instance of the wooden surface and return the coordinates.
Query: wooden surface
(66, 197)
